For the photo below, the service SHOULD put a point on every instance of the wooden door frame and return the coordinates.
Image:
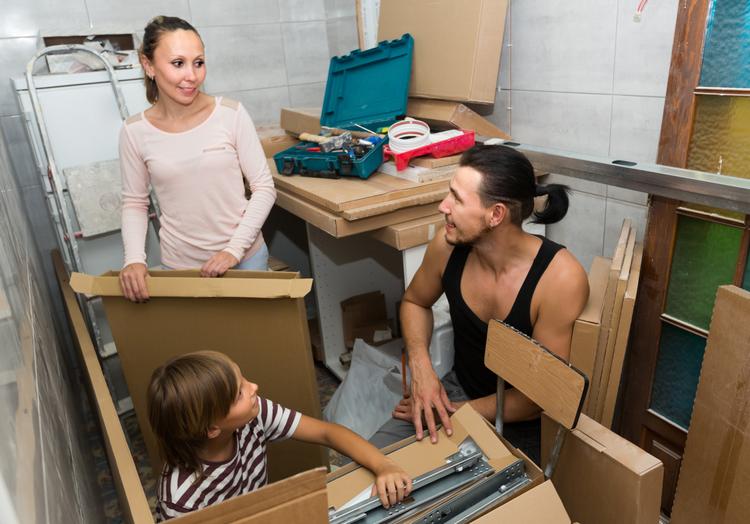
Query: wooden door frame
(674, 141)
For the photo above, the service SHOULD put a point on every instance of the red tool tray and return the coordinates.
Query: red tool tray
(440, 149)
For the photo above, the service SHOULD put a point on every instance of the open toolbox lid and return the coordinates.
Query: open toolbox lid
(370, 87)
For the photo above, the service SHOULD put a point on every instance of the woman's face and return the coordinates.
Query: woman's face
(178, 66)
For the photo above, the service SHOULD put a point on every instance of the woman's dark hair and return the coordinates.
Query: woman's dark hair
(508, 177)
(152, 33)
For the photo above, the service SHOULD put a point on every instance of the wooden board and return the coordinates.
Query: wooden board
(412, 233)
(130, 493)
(609, 299)
(346, 194)
(338, 226)
(545, 378)
(621, 340)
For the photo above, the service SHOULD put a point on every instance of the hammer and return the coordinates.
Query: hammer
(329, 143)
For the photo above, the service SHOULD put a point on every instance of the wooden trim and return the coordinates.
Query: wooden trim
(667, 430)
(710, 217)
(743, 260)
(685, 326)
(684, 74)
(652, 290)
(722, 91)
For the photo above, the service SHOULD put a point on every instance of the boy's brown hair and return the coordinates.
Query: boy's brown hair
(186, 396)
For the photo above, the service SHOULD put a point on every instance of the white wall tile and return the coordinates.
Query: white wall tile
(306, 51)
(234, 12)
(500, 115)
(617, 211)
(342, 36)
(564, 46)
(582, 229)
(302, 10)
(264, 105)
(244, 57)
(45, 17)
(15, 53)
(125, 17)
(340, 8)
(636, 125)
(627, 195)
(644, 49)
(307, 95)
(569, 121)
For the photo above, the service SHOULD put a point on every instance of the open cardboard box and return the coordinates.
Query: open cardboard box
(258, 319)
(419, 457)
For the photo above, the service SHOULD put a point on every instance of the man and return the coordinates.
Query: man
(488, 267)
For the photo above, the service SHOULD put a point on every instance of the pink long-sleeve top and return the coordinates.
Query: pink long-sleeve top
(197, 176)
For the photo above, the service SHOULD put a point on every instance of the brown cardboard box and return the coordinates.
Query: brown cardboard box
(257, 318)
(456, 45)
(715, 476)
(419, 457)
(444, 114)
(275, 144)
(362, 315)
(540, 505)
(300, 120)
(603, 478)
(587, 325)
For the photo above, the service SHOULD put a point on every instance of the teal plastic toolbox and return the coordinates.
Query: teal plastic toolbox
(365, 90)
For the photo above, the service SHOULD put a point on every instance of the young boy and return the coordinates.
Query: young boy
(212, 428)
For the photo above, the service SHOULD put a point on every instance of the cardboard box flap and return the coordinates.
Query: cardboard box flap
(419, 457)
(551, 383)
(195, 286)
(538, 505)
(304, 490)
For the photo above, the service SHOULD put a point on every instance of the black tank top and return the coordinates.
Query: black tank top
(470, 332)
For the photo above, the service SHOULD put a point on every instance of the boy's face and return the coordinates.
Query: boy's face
(245, 407)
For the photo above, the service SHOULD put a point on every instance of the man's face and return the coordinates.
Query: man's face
(466, 218)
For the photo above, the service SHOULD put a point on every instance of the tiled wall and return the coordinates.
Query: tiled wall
(585, 77)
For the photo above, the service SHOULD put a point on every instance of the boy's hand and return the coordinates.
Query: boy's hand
(392, 484)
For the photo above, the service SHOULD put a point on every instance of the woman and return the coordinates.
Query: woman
(196, 151)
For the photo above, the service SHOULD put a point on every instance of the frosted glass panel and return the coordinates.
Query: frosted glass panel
(677, 371)
(705, 257)
(726, 54)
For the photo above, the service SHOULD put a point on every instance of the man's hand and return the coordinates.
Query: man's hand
(133, 282)
(218, 264)
(427, 393)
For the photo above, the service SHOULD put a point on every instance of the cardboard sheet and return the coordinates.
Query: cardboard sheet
(457, 45)
(188, 313)
(603, 478)
(715, 476)
(444, 114)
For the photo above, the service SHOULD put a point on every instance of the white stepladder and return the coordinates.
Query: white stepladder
(83, 199)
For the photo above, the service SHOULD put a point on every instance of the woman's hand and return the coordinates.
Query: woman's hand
(133, 282)
(392, 484)
(218, 264)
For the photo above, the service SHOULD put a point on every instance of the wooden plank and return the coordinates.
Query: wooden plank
(622, 284)
(338, 226)
(133, 502)
(545, 378)
(410, 234)
(609, 299)
(343, 194)
(621, 341)
(387, 207)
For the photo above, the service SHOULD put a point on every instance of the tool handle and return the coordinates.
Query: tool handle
(309, 137)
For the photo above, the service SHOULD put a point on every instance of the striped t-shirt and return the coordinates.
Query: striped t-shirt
(178, 493)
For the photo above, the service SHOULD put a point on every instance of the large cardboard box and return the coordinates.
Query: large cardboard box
(586, 328)
(456, 45)
(444, 114)
(714, 479)
(603, 478)
(256, 318)
(300, 120)
(419, 457)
